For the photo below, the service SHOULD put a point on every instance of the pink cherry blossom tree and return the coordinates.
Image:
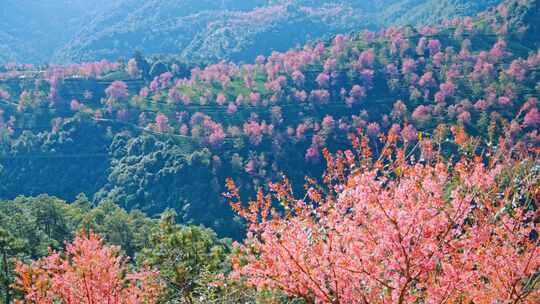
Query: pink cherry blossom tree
(88, 272)
(118, 90)
(396, 231)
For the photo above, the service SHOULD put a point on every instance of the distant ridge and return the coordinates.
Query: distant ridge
(204, 30)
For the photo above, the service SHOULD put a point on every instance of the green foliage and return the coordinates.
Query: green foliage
(28, 228)
(32, 226)
(130, 230)
(32, 162)
(152, 174)
(41, 223)
(9, 247)
(190, 259)
(186, 257)
(157, 69)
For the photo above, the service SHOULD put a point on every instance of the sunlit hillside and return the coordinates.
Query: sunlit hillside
(270, 152)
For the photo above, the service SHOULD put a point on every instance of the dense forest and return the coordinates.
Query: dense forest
(153, 134)
(200, 31)
(397, 165)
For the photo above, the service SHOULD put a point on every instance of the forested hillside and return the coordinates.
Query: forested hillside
(157, 134)
(197, 30)
(392, 166)
(31, 31)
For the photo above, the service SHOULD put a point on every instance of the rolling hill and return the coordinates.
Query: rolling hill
(170, 139)
(197, 30)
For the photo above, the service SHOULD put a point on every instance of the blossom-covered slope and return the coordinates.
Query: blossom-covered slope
(152, 135)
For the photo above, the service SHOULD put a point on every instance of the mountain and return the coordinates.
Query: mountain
(430, 12)
(517, 19)
(31, 30)
(197, 30)
(428, 137)
(170, 138)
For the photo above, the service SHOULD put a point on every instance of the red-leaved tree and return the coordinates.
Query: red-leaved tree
(89, 273)
(393, 230)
